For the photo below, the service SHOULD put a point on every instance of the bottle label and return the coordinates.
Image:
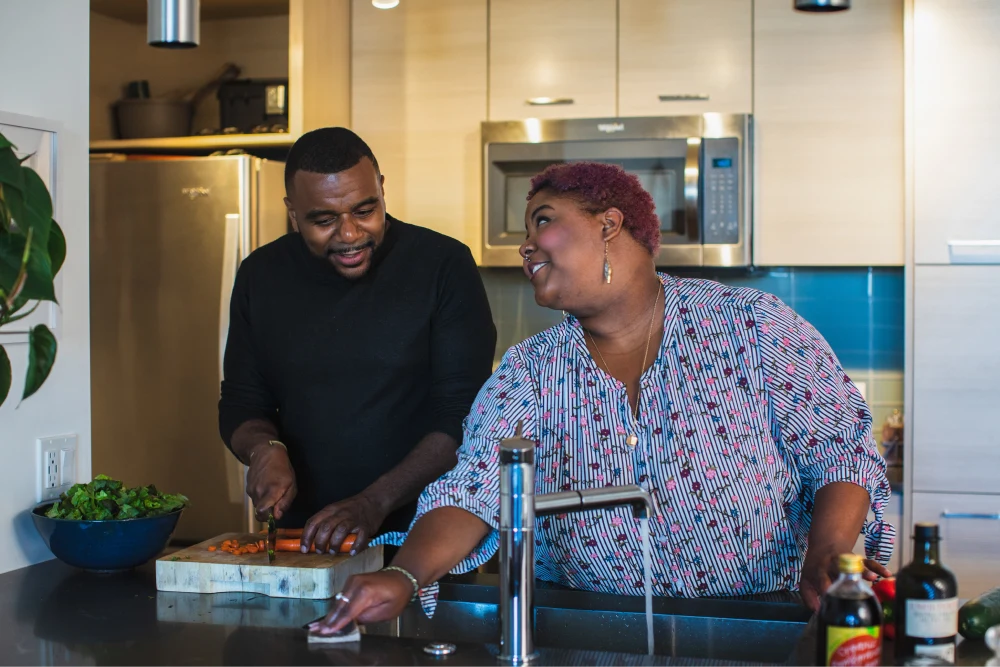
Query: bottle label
(932, 618)
(856, 647)
(943, 651)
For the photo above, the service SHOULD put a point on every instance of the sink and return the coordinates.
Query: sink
(762, 629)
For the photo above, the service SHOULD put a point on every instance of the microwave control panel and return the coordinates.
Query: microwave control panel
(720, 205)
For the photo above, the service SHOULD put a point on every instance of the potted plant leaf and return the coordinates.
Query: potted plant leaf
(32, 250)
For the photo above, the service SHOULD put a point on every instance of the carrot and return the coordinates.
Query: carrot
(252, 549)
(261, 545)
(290, 544)
(211, 548)
(295, 544)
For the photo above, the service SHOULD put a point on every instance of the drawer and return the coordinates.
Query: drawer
(956, 379)
(970, 536)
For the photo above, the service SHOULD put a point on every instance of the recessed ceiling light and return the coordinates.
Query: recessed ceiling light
(384, 4)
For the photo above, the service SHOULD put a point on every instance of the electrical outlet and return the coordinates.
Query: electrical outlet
(56, 465)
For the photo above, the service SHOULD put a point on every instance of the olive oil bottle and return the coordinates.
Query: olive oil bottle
(926, 601)
(850, 619)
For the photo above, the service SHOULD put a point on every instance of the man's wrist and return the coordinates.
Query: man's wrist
(382, 504)
(263, 448)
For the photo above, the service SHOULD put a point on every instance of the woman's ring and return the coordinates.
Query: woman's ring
(343, 598)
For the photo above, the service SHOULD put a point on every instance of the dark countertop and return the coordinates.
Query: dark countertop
(52, 614)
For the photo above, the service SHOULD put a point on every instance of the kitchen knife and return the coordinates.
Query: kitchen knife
(272, 538)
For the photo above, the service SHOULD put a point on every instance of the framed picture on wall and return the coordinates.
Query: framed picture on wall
(38, 140)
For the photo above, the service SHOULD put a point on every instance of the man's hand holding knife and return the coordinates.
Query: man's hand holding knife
(270, 480)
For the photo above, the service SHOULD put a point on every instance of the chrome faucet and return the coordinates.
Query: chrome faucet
(518, 508)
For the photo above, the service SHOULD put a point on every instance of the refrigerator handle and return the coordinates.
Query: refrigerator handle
(232, 255)
(230, 263)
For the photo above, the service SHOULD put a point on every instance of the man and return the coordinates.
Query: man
(356, 347)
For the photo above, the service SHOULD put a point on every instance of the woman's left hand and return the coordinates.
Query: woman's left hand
(820, 570)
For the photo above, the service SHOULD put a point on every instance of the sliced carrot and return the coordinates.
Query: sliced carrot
(211, 548)
(252, 549)
(260, 545)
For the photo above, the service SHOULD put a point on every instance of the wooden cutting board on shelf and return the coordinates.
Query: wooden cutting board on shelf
(293, 575)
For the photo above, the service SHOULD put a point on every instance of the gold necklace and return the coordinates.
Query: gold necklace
(632, 440)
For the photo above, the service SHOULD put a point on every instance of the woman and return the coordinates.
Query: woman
(731, 410)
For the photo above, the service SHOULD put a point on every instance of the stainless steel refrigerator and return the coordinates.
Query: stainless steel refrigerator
(166, 238)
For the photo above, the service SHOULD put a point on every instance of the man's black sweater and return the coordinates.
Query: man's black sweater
(355, 373)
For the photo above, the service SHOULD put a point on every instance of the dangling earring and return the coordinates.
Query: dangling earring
(607, 265)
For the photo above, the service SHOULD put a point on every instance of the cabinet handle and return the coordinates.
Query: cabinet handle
(548, 101)
(696, 97)
(979, 251)
(969, 515)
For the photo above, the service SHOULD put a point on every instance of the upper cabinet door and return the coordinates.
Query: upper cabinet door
(956, 200)
(680, 57)
(828, 101)
(552, 50)
(418, 96)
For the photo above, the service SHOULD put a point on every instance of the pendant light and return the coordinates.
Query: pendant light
(384, 4)
(822, 5)
(173, 24)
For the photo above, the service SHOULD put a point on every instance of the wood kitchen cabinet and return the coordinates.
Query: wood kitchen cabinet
(970, 536)
(418, 96)
(679, 57)
(557, 49)
(956, 441)
(828, 105)
(956, 57)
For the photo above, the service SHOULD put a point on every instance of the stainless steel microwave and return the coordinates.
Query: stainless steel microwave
(697, 168)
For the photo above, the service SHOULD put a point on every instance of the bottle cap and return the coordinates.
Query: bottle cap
(851, 564)
(925, 532)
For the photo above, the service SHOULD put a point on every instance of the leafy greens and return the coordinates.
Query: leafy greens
(106, 499)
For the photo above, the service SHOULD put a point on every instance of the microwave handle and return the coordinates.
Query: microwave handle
(692, 186)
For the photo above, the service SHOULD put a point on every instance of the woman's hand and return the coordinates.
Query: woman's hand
(819, 571)
(367, 598)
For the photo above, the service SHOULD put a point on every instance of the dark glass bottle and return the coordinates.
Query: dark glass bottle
(926, 601)
(850, 619)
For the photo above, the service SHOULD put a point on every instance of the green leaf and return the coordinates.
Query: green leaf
(32, 208)
(41, 356)
(5, 142)
(10, 171)
(21, 316)
(57, 248)
(5, 373)
(39, 283)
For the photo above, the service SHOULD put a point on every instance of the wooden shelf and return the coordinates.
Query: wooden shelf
(210, 142)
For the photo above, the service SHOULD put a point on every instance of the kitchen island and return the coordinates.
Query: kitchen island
(52, 614)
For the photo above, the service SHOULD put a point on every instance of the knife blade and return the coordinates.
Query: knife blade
(272, 538)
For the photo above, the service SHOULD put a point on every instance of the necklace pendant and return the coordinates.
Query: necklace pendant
(632, 440)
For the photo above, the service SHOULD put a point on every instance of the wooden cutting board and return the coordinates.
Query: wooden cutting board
(293, 575)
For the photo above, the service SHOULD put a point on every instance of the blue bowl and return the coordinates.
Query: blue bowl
(105, 546)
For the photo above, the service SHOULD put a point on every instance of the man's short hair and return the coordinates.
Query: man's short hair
(328, 150)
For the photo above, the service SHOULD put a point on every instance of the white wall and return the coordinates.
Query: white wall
(119, 54)
(45, 51)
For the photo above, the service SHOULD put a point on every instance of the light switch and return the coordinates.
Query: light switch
(67, 466)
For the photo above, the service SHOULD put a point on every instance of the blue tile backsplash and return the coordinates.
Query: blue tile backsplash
(858, 310)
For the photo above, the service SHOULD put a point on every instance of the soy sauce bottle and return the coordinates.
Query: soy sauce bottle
(926, 601)
(850, 619)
